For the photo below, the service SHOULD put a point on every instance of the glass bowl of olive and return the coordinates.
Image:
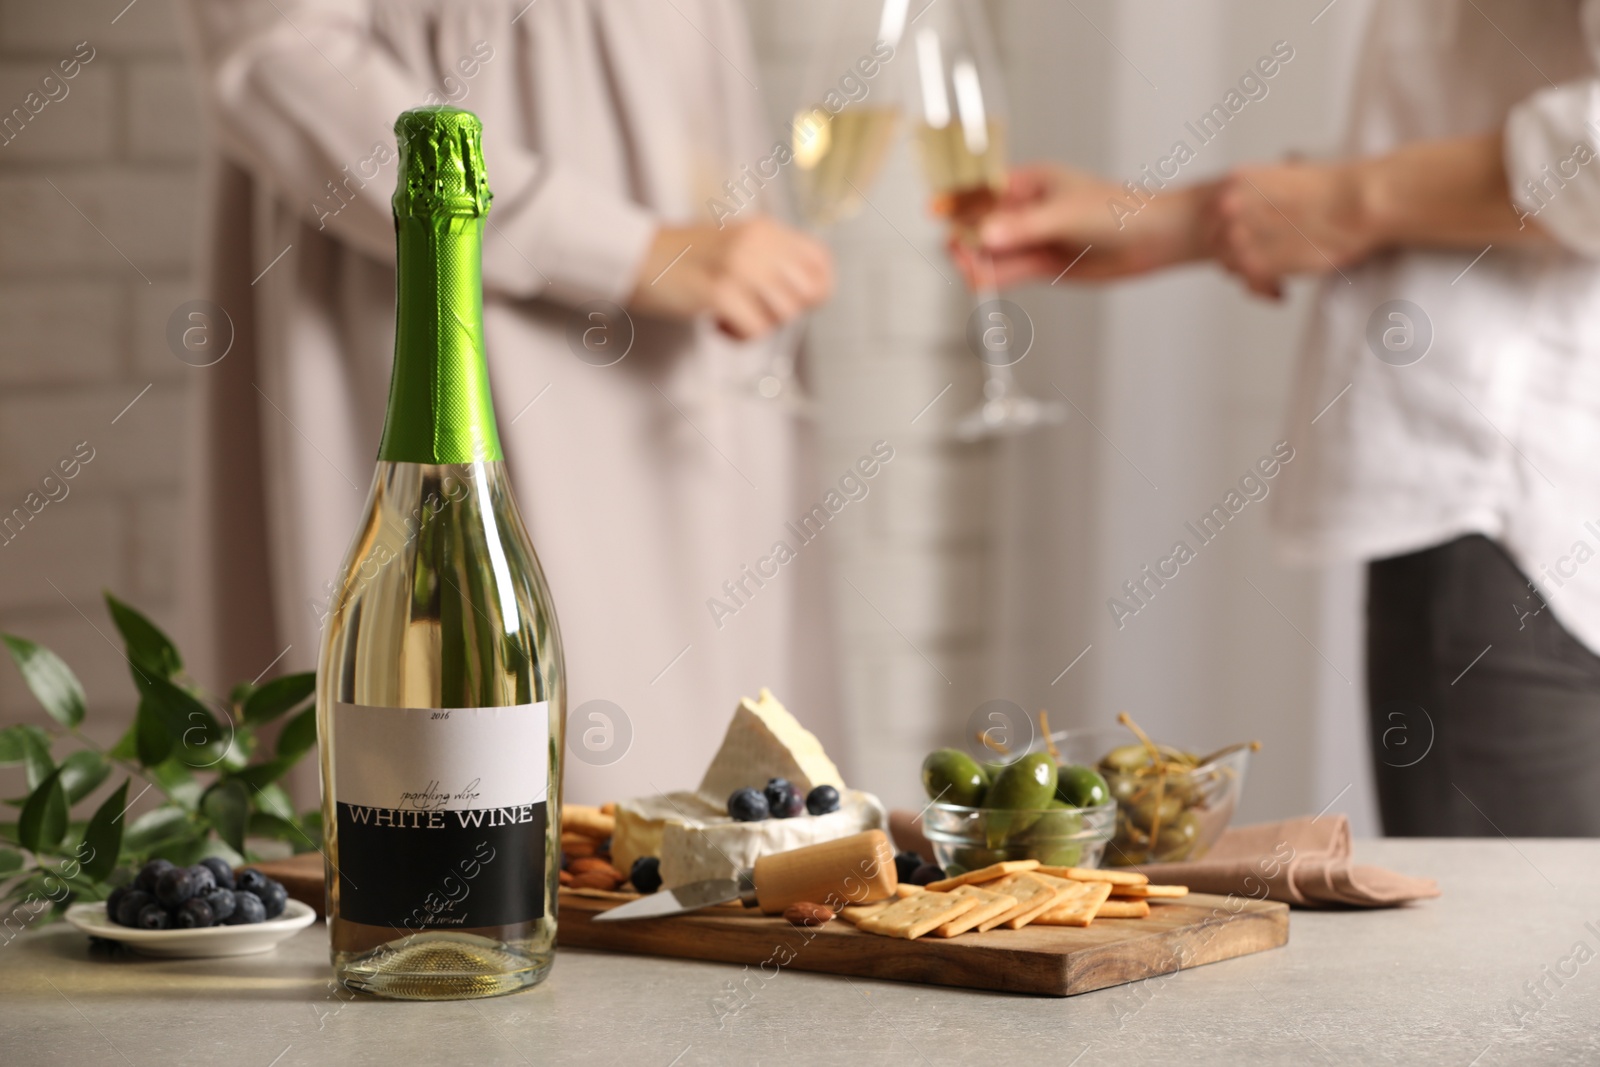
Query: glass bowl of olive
(1028, 808)
(1172, 804)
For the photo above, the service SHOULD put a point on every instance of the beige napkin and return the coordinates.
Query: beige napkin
(1304, 862)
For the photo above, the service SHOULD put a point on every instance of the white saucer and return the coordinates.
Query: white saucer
(199, 943)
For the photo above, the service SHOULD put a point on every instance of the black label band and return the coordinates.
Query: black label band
(441, 869)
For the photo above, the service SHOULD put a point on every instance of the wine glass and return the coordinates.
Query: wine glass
(961, 141)
(839, 137)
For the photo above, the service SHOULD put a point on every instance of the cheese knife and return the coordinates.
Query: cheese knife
(858, 869)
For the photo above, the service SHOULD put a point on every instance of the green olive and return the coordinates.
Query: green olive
(1081, 787)
(971, 859)
(1125, 759)
(1059, 822)
(1176, 840)
(1061, 856)
(1123, 786)
(1145, 811)
(953, 777)
(1029, 783)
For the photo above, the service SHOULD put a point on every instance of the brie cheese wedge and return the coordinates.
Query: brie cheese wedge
(691, 831)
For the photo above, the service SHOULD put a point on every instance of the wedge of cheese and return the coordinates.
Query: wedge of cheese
(765, 741)
(691, 831)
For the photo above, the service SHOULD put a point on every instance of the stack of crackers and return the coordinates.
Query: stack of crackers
(1012, 895)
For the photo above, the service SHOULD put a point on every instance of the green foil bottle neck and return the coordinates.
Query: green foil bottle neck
(440, 408)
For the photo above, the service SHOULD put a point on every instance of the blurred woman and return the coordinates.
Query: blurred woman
(1446, 415)
(648, 470)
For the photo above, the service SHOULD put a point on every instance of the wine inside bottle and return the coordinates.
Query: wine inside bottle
(440, 690)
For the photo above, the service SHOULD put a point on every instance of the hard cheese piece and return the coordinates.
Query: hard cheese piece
(764, 741)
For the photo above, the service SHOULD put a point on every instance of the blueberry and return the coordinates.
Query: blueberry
(247, 909)
(204, 880)
(274, 898)
(925, 874)
(153, 917)
(113, 899)
(150, 874)
(822, 799)
(646, 874)
(221, 873)
(906, 864)
(129, 907)
(194, 913)
(251, 881)
(565, 859)
(776, 792)
(175, 886)
(785, 801)
(746, 805)
(221, 902)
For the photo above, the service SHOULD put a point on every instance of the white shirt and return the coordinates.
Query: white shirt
(1495, 429)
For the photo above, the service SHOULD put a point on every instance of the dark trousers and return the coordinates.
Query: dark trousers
(1484, 710)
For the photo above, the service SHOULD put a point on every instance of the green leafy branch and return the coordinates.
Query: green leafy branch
(219, 788)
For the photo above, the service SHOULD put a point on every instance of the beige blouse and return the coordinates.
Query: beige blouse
(646, 485)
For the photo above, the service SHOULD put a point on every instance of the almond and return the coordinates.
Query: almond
(596, 880)
(567, 877)
(594, 863)
(806, 914)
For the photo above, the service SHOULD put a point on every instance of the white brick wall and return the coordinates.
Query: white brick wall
(82, 333)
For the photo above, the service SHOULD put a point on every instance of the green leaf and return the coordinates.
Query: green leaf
(265, 825)
(299, 735)
(185, 851)
(274, 800)
(311, 823)
(178, 782)
(154, 827)
(149, 650)
(152, 740)
(127, 746)
(227, 805)
(81, 774)
(10, 861)
(51, 680)
(104, 835)
(30, 745)
(195, 733)
(278, 696)
(44, 817)
(262, 774)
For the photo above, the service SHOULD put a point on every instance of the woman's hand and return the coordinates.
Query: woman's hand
(1264, 223)
(1051, 217)
(751, 277)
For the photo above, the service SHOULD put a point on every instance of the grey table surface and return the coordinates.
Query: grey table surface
(1435, 982)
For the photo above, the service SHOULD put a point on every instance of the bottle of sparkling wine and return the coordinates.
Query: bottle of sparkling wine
(440, 693)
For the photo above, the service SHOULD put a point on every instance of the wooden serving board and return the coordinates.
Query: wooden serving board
(1053, 960)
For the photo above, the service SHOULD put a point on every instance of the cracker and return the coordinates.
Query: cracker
(1124, 909)
(1033, 895)
(989, 905)
(984, 874)
(1141, 892)
(906, 889)
(854, 913)
(1095, 874)
(1076, 906)
(590, 822)
(911, 917)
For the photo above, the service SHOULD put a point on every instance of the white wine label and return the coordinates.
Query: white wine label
(442, 814)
